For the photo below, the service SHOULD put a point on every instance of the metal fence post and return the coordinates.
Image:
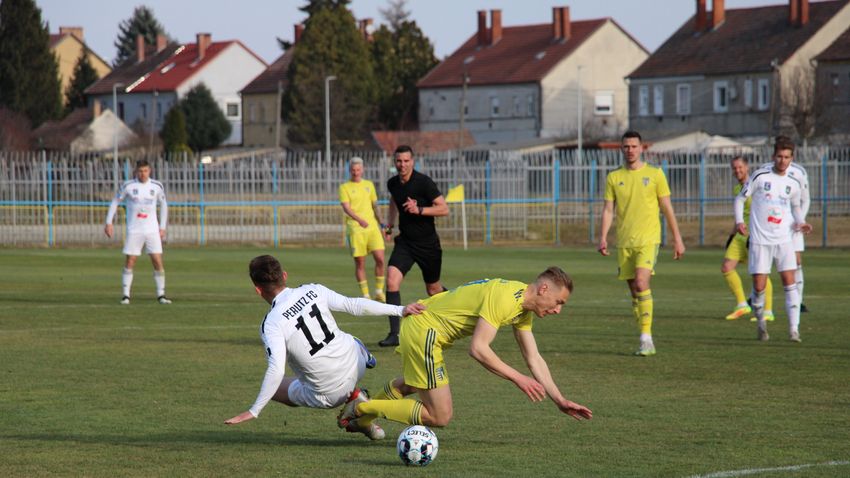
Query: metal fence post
(702, 199)
(824, 201)
(556, 194)
(487, 200)
(48, 171)
(202, 239)
(590, 197)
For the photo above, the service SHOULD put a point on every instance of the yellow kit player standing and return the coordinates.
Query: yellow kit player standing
(360, 203)
(477, 309)
(638, 190)
(737, 252)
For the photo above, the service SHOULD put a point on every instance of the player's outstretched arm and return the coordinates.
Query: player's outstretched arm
(538, 367)
(480, 350)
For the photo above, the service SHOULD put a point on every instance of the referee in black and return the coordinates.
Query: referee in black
(416, 201)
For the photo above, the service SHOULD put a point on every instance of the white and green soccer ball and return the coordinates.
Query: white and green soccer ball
(417, 445)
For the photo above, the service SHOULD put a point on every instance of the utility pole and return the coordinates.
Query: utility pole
(465, 80)
(277, 116)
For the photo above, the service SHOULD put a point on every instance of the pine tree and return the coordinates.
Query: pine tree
(206, 124)
(143, 22)
(29, 74)
(175, 139)
(84, 76)
(330, 45)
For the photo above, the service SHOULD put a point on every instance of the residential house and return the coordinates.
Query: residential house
(422, 141)
(521, 82)
(84, 130)
(736, 72)
(68, 46)
(150, 84)
(832, 80)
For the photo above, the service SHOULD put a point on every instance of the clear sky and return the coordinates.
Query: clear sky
(257, 23)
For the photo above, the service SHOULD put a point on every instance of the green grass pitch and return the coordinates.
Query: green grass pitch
(92, 388)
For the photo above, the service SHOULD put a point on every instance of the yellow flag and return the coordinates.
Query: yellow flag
(455, 194)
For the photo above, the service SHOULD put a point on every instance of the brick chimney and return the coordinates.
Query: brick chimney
(483, 34)
(804, 12)
(556, 23)
(299, 30)
(718, 13)
(701, 19)
(140, 48)
(75, 31)
(161, 42)
(96, 109)
(495, 26)
(204, 40)
(566, 30)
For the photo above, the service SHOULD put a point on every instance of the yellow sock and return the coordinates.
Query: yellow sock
(364, 287)
(768, 295)
(379, 284)
(388, 393)
(645, 307)
(406, 410)
(733, 280)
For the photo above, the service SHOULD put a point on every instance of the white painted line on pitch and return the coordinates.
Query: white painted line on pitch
(753, 471)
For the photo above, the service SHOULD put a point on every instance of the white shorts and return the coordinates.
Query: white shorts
(303, 395)
(799, 240)
(135, 240)
(761, 256)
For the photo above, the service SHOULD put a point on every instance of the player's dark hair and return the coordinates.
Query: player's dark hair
(783, 142)
(142, 163)
(403, 148)
(557, 276)
(632, 134)
(266, 272)
(740, 158)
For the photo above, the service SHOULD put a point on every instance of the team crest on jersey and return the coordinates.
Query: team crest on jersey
(152, 192)
(767, 186)
(645, 182)
(787, 189)
(135, 192)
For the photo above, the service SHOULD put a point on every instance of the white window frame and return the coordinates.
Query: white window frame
(683, 99)
(643, 100)
(721, 96)
(658, 100)
(748, 93)
(763, 94)
(603, 103)
(494, 106)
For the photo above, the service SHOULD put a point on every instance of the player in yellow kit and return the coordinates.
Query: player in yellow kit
(477, 309)
(639, 191)
(736, 252)
(360, 203)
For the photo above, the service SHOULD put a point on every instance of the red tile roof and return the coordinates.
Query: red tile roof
(748, 40)
(430, 141)
(524, 54)
(131, 70)
(839, 50)
(266, 82)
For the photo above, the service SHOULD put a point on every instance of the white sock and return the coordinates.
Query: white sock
(159, 280)
(758, 304)
(645, 337)
(798, 276)
(792, 307)
(126, 281)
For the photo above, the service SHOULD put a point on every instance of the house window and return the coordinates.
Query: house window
(748, 93)
(721, 96)
(430, 107)
(643, 100)
(233, 110)
(494, 106)
(516, 106)
(658, 96)
(144, 109)
(836, 87)
(603, 104)
(683, 99)
(121, 110)
(465, 110)
(530, 105)
(252, 112)
(764, 94)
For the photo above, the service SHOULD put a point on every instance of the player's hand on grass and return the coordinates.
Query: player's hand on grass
(413, 309)
(741, 228)
(575, 410)
(603, 247)
(531, 387)
(242, 417)
(107, 229)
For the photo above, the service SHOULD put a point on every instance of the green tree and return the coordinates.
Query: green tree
(206, 124)
(330, 45)
(84, 76)
(143, 22)
(175, 138)
(29, 75)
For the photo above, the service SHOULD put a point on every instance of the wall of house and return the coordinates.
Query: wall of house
(101, 134)
(258, 121)
(67, 54)
(137, 116)
(833, 97)
(225, 76)
(513, 120)
(605, 59)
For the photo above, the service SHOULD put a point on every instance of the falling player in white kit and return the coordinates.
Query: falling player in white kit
(775, 213)
(142, 195)
(300, 331)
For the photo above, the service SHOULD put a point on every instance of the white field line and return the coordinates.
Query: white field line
(753, 471)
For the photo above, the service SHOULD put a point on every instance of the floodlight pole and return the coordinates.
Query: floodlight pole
(328, 80)
(115, 87)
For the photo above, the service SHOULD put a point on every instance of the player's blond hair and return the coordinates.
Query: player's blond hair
(266, 273)
(557, 276)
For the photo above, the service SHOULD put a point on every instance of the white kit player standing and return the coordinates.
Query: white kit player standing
(775, 213)
(142, 195)
(301, 331)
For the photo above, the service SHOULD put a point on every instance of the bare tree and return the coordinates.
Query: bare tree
(799, 109)
(395, 14)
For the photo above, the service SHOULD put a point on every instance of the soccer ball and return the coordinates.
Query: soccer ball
(417, 445)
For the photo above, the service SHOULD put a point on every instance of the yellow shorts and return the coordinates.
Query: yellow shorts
(421, 352)
(364, 241)
(736, 249)
(631, 258)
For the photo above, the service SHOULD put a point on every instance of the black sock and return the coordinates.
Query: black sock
(394, 298)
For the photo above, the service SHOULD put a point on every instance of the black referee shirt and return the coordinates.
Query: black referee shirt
(413, 227)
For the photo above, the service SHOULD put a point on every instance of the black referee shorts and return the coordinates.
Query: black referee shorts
(427, 255)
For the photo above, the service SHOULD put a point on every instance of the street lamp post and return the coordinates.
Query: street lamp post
(328, 80)
(115, 86)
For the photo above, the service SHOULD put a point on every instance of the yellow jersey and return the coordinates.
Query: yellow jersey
(498, 301)
(635, 194)
(360, 196)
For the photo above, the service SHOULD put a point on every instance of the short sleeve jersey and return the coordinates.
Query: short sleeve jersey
(498, 301)
(360, 196)
(773, 196)
(420, 187)
(635, 194)
(142, 200)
